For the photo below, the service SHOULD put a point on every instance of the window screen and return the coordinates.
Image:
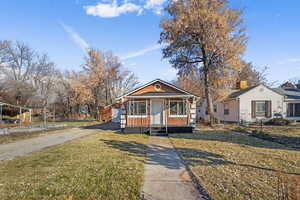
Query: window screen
(177, 108)
(137, 108)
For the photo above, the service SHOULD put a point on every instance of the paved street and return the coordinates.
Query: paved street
(23, 147)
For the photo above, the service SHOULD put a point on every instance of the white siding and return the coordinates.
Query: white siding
(260, 93)
(240, 108)
(231, 117)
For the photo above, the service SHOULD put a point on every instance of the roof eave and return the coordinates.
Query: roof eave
(161, 96)
(164, 82)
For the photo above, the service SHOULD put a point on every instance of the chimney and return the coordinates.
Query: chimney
(241, 85)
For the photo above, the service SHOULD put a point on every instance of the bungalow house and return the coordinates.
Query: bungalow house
(158, 107)
(250, 104)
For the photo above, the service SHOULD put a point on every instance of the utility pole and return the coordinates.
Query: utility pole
(45, 118)
(54, 113)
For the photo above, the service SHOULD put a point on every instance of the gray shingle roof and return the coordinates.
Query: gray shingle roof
(240, 92)
(290, 93)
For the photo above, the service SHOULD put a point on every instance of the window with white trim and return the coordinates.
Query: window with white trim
(137, 108)
(177, 108)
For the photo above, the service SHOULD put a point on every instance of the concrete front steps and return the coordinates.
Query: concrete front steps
(158, 131)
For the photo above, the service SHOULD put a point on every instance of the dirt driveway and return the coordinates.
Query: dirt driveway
(23, 147)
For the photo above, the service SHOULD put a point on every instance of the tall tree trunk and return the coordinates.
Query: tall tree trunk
(208, 94)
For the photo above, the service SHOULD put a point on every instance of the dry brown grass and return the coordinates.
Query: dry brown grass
(100, 166)
(286, 135)
(236, 166)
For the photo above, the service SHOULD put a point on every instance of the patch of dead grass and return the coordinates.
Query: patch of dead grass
(235, 166)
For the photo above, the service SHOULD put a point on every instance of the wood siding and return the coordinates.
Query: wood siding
(136, 121)
(151, 88)
(146, 121)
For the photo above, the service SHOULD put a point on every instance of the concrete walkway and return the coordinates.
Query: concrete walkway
(166, 177)
(23, 147)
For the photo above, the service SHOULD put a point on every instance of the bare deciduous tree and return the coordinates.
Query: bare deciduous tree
(28, 77)
(205, 36)
(100, 82)
(252, 75)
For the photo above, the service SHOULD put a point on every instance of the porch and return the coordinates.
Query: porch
(159, 116)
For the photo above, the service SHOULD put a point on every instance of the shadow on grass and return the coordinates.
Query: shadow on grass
(108, 126)
(156, 154)
(131, 147)
(165, 156)
(288, 141)
(235, 138)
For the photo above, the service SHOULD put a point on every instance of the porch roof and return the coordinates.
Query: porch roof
(181, 92)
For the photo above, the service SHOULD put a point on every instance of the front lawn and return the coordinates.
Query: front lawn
(105, 165)
(236, 166)
(286, 135)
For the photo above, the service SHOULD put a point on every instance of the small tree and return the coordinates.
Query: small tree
(206, 36)
(253, 76)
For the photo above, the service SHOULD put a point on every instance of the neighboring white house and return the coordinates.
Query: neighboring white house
(256, 103)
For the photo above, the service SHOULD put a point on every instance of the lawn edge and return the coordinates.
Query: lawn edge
(265, 137)
(195, 181)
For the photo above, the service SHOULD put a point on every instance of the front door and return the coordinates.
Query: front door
(157, 107)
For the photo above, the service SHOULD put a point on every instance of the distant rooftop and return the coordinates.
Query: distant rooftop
(290, 93)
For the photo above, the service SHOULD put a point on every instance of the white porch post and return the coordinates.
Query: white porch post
(193, 113)
(123, 113)
(166, 108)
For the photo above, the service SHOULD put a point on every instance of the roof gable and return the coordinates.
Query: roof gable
(240, 92)
(244, 91)
(150, 89)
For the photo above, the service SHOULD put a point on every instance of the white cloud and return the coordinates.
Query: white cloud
(290, 60)
(141, 52)
(75, 37)
(155, 5)
(109, 10)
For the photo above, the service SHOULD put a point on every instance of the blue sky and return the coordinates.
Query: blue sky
(130, 29)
